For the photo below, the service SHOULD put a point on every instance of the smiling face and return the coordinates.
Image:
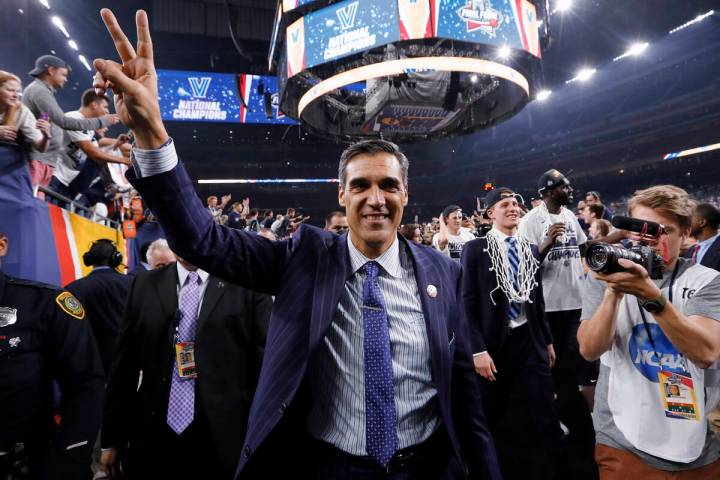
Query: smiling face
(505, 214)
(10, 94)
(674, 233)
(374, 197)
(454, 222)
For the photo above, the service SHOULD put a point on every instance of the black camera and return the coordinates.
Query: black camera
(603, 258)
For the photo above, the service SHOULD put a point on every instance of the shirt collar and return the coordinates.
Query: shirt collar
(709, 241)
(502, 236)
(183, 273)
(103, 267)
(389, 260)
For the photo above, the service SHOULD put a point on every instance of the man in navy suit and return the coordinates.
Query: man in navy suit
(367, 370)
(511, 339)
(704, 227)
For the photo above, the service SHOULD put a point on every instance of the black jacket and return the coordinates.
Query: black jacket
(103, 293)
(230, 339)
(711, 259)
(488, 321)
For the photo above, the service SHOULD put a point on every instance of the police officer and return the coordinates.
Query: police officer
(44, 336)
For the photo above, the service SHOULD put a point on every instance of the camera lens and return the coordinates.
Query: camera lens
(597, 257)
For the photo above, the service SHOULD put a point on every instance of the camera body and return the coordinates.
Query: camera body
(603, 258)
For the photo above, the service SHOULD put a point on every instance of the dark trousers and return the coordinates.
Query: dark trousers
(521, 367)
(567, 374)
(431, 460)
(161, 453)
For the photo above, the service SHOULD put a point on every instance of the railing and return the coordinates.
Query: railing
(74, 207)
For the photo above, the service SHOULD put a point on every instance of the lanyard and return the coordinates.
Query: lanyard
(644, 320)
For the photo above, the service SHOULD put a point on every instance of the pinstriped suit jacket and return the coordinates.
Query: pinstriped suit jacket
(307, 274)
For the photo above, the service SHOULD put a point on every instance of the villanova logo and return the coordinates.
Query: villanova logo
(347, 15)
(643, 354)
(199, 86)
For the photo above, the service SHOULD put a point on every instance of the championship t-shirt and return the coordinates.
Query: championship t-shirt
(455, 243)
(73, 158)
(562, 271)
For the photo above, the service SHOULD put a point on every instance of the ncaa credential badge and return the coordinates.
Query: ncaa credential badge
(70, 305)
(8, 316)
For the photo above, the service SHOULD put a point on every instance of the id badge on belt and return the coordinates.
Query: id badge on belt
(185, 355)
(678, 394)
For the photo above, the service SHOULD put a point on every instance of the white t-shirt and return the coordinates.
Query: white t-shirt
(73, 158)
(562, 271)
(25, 123)
(455, 243)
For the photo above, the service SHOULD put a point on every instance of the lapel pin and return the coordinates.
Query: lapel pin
(432, 291)
(220, 284)
(14, 342)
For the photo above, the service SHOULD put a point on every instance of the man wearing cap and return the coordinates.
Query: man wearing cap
(452, 236)
(50, 74)
(555, 229)
(510, 335)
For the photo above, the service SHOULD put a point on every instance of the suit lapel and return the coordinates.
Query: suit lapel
(332, 271)
(426, 275)
(214, 290)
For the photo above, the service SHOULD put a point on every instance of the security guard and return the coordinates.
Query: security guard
(44, 336)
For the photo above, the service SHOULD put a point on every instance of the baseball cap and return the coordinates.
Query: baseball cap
(551, 179)
(46, 61)
(496, 195)
(450, 209)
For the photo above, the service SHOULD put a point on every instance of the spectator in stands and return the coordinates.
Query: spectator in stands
(600, 228)
(253, 225)
(217, 210)
(77, 166)
(51, 74)
(658, 346)
(189, 414)
(704, 227)
(159, 254)
(18, 125)
(452, 236)
(411, 231)
(267, 219)
(103, 293)
(593, 197)
(592, 213)
(142, 265)
(236, 217)
(336, 222)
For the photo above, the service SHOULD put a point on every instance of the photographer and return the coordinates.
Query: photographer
(657, 341)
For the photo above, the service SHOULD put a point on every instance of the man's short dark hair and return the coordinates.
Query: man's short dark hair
(372, 147)
(708, 211)
(597, 209)
(89, 96)
(268, 213)
(594, 194)
(331, 215)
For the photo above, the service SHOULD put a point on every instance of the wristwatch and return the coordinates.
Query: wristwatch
(654, 306)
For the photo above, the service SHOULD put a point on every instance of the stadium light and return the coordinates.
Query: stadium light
(267, 180)
(59, 24)
(634, 50)
(583, 75)
(44, 3)
(504, 52)
(73, 45)
(543, 95)
(697, 19)
(563, 5)
(84, 61)
(473, 78)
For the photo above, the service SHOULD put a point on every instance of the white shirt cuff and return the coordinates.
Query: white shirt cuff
(479, 353)
(153, 162)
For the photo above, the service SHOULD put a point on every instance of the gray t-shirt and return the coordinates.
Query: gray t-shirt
(705, 302)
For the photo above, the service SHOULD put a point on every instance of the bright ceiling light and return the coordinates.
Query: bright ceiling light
(84, 61)
(44, 3)
(473, 78)
(585, 74)
(73, 45)
(504, 52)
(543, 95)
(59, 24)
(637, 48)
(563, 5)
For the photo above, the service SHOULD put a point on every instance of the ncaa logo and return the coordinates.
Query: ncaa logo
(199, 86)
(347, 15)
(643, 354)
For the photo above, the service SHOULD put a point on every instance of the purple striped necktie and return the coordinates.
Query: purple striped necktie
(181, 406)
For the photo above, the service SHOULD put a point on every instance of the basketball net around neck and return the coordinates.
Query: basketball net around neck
(527, 268)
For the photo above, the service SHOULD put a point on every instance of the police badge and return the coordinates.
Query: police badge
(8, 316)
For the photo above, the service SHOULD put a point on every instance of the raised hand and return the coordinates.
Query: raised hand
(134, 81)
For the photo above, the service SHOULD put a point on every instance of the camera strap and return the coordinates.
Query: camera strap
(644, 319)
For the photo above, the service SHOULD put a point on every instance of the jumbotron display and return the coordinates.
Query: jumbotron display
(406, 69)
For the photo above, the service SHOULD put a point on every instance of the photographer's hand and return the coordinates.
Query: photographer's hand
(635, 280)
